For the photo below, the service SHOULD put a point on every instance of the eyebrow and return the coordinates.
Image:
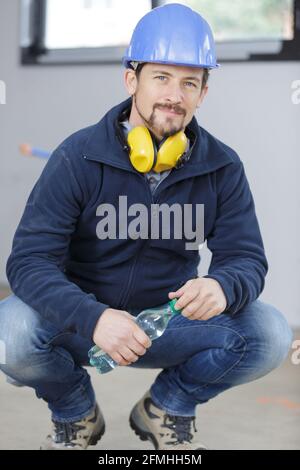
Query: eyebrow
(170, 75)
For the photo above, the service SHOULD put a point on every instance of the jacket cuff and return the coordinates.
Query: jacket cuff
(87, 315)
(227, 289)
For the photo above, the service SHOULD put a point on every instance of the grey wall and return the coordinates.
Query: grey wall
(249, 107)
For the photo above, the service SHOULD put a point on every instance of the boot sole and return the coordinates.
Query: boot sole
(95, 438)
(142, 433)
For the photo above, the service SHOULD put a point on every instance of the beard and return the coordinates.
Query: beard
(165, 129)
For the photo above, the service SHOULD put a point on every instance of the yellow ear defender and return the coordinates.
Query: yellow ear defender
(144, 156)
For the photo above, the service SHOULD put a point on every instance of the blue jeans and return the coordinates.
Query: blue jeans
(200, 359)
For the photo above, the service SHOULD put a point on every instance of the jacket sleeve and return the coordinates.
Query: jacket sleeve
(238, 260)
(35, 267)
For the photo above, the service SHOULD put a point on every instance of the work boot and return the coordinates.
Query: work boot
(76, 435)
(167, 432)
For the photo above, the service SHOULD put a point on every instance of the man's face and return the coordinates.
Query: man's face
(165, 97)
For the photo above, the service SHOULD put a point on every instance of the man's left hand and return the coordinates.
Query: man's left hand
(200, 299)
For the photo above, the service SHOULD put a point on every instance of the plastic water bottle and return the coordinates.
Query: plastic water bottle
(152, 321)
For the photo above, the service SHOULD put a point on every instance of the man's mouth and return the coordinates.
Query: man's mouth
(171, 111)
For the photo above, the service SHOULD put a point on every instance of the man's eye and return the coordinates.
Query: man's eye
(161, 77)
(191, 84)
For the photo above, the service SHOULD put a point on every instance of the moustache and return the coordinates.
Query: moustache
(175, 109)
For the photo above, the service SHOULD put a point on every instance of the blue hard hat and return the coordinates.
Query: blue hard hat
(172, 34)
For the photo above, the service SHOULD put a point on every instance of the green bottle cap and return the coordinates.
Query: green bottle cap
(172, 306)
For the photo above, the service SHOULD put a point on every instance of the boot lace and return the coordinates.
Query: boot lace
(65, 433)
(180, 427)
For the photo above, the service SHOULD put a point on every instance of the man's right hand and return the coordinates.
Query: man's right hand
(117, 334)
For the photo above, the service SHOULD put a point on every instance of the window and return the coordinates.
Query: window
(254, 30)
(93, 31)
(64, 31)
(91, 23)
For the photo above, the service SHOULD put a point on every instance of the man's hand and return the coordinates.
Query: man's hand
(200, 299)
(119, 336)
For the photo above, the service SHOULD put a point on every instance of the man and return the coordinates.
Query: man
(77, 280)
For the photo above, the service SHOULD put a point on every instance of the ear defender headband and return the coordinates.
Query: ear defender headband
(144, 155)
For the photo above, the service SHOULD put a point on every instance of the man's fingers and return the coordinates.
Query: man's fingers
(179, 292)
(136, 347)
(119, 359)
(205, 314)
(193, 308)
(141, 337)
(188, 297)
(128, 354)
(172, 295)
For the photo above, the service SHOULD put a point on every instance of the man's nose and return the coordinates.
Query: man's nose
(175, 93)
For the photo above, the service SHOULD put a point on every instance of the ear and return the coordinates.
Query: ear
(130, 81)
(202, 95)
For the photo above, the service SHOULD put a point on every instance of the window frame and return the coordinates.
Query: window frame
(34, 52)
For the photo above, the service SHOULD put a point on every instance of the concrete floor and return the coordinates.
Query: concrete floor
(261, 415)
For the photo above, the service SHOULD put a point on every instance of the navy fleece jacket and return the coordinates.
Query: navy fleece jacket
(60, 267)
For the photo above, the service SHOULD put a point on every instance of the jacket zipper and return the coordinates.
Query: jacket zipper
(128, 289)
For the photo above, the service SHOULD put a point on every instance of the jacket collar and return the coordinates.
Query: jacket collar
(105, 146)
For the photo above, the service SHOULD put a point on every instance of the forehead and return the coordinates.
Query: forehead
(174, 70)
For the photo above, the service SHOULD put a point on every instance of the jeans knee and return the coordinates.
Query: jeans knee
(19, 335)
(273, 337)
